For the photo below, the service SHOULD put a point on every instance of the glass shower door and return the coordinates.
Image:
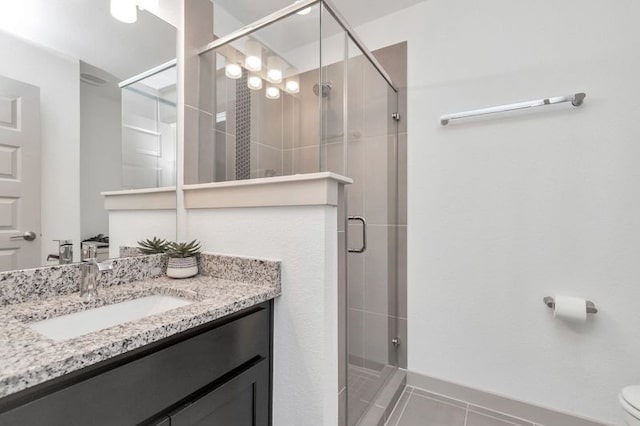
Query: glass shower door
(359, 140)
(371, 275)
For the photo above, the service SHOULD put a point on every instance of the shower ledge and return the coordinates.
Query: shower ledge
(141, 199)
(296, 190)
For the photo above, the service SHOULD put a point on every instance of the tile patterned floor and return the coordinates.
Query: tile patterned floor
(417, 407)
(363, 385)
(362, 381)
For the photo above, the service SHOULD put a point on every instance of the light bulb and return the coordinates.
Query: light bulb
(253, 63)
(292, 85)
(274, 76)
(254, 82)
(233, 71)
(253, 58)
(274, 69)
(272, 92)
(124, 11)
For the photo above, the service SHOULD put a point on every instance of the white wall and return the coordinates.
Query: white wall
(170, 12)
(305, 339)
(127, 227)
(57, 77)
(100, 153)
(506, 210)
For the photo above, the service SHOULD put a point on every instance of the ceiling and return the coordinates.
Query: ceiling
(85, 30)
(295, 38)
(356, 12)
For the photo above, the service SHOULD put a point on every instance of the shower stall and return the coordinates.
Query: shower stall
(297, 92)
(149, 116)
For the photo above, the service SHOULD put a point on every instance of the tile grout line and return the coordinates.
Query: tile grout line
(396, 407)
(499, 419)
(471, 408)
(403, 409)
(490, 413)
(466, 405)
(411, 389)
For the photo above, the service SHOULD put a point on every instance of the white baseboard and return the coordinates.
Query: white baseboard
(502, 404)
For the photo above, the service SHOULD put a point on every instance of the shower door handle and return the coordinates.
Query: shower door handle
(364, 234)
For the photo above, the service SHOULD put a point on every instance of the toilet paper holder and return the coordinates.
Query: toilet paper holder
(591, 307)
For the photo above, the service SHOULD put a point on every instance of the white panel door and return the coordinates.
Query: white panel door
(19, 175)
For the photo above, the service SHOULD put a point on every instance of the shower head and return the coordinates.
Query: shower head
(326, 89)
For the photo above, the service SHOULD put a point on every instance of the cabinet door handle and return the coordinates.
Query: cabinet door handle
(27, 236)
(364, 234)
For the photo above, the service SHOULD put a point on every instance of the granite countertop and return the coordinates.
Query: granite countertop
(29, 358)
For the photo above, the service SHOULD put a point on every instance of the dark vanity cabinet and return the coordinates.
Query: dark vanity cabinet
(238, 401)
(215, 374)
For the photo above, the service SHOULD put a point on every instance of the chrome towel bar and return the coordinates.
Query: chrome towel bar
(576, 100)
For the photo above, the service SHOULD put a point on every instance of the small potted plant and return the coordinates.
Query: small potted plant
(153, 245)
(182, 259)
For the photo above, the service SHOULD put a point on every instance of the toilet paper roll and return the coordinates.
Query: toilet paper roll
(570, 308)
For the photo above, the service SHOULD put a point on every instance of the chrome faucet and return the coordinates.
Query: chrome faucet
(65, 252)
(90, 268)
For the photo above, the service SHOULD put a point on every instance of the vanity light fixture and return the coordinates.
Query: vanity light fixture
(253, 58)
(293, 84)
(274, 70)
(254, 82)
(124, 10)
(233, 71)
(272, 92)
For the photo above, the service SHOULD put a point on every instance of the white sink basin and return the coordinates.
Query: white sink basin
(79, 323)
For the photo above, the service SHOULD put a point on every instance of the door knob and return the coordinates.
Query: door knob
(27, 236)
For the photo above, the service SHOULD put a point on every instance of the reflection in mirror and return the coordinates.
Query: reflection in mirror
(279, 110)
(87, 105)
(267, 115)
(149, 129)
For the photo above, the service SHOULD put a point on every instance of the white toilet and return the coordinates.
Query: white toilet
(630, 401)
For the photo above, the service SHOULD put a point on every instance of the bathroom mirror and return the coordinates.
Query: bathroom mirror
(87, 105)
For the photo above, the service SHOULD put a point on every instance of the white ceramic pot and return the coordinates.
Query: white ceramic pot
(179, 267)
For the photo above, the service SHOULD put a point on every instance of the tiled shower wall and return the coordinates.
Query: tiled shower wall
(272, 126)
(246, 122)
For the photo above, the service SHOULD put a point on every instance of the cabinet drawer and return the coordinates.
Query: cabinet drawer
(241, 401)
(140, 389)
